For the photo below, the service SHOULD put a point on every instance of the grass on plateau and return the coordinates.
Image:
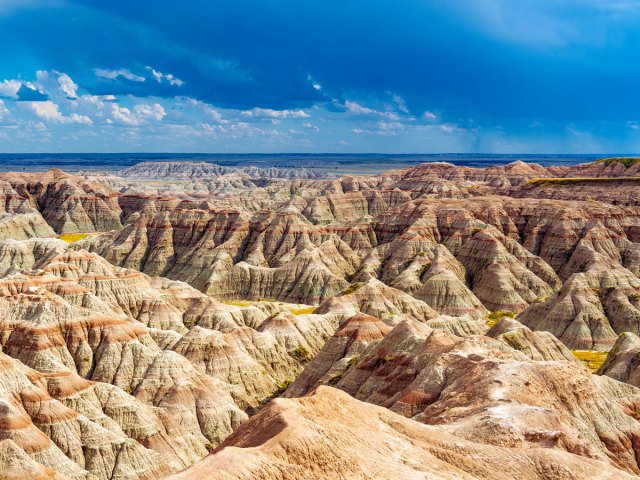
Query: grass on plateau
(302, 311)
(494, 317)
(593, 360)
(293, 308)
(626, 161)
(579, 180)
(73, 237)
(238, 303)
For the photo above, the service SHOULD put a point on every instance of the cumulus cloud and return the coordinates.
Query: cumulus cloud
(10, 88)
(50, 112)
(270, 113)
(429, 115)
(115, 74)
(67, 85)
(53, 82)
(168, 77)
(139, 115)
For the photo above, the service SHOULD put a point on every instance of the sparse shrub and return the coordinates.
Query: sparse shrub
(626, 161)
(300, 354)
(354, 287)
(494, 317)
(335, 379)
(579, 180)
(353, 360)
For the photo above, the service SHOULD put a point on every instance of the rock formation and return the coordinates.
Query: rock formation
(519, 390)
(623, 360)
(449, 296)
(331, 435)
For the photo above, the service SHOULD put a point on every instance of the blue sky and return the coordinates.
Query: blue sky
(397, 76)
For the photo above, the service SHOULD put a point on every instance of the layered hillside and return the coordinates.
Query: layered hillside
(108, 373)
(456, 299)
(331, 435)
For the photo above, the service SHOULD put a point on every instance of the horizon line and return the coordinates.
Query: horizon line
(324, 153)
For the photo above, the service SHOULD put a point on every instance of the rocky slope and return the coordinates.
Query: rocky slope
(331, 435)
(450, 296)
(623, 360)
(519, 390)
(68, 203)
(127, 363)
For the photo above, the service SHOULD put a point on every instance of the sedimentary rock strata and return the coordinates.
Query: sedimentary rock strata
(331, 435)
(451, 297)
(519, 390)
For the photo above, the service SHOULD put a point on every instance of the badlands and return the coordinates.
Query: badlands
(190, 321)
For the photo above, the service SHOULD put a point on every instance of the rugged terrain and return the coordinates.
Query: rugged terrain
(433, 315)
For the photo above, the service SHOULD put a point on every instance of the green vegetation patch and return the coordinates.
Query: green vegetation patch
(301, 354)
(354, 287)
(580, 180)
(494, 317)
(593, 360)
(626, 161)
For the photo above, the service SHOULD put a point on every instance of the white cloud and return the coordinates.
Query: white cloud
(447, 128)
(114, 74)
(4, 111)
(75, 118)
(269, 113)
(429, 115)
(354, 107)
(209, 110)
(50, 112)
(315, 85)
(51, 84)
(9, 88)
(67, 85)
(357, 109)
(140, 114)
(385, 129)
(145, 111)
(169, 77)
(123, 115)
(402, 106)
(46, 110)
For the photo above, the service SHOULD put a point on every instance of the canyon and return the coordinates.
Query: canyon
(186, 320)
